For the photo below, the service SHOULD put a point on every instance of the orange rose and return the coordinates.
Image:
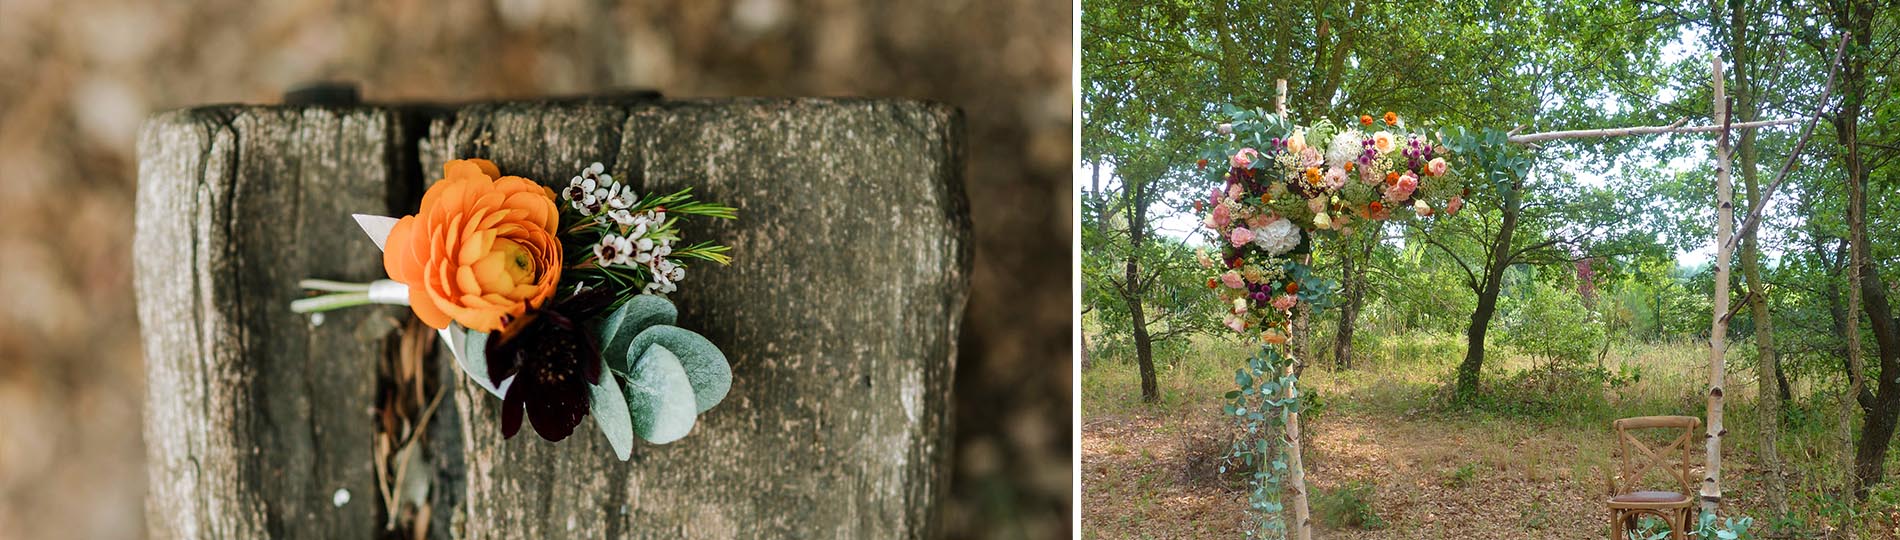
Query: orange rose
(1273, 336)
(1365, 119)
(1391, 118)
(481, 250)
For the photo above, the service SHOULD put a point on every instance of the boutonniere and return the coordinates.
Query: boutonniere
(554, 302)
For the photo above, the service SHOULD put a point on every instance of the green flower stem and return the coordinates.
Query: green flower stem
(332, 301)
(333, 286)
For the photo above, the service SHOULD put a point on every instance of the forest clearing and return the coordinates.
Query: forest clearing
(1389, 458)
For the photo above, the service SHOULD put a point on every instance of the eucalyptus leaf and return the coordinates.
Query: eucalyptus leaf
(470, 350)
(660, 397)
(617, 329)
(612, 415)
(705, 365)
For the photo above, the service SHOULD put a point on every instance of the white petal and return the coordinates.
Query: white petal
(377, 227)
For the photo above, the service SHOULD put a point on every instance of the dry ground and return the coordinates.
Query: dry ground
(1433, 473)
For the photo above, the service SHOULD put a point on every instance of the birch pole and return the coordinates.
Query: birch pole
(1676, 127)
(1718, 323)
(1296, 470)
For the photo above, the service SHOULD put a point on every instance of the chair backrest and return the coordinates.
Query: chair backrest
(1636, 458)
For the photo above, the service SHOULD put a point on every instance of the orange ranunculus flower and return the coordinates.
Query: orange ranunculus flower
(1365, 119)
(481, 251)
(1391, 118)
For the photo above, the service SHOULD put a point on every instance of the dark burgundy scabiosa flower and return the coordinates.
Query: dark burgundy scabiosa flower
(553, 359)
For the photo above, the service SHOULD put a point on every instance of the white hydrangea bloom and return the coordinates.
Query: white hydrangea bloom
(1346, 146)
(1278, 237)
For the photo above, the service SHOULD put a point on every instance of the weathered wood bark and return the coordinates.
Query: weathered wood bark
(839, 314)
(258, 420)
(1718, 322)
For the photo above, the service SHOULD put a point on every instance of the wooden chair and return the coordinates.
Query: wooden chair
(1635, 459)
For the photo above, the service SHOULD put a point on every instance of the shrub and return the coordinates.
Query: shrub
(1348, 506)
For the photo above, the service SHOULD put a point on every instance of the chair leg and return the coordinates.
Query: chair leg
(1616, 526)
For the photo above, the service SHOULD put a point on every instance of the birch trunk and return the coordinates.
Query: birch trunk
(1718, 322)
(1296, 470)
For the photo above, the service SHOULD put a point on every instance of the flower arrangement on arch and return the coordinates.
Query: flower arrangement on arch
(554, 302)
(1280, 184)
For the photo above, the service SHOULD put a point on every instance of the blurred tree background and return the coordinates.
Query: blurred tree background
(83, 74)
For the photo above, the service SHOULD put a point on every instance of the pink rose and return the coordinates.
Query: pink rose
(1403, 189)
(1284, 302)
(1317, 205)
(1311, 158)
(1240, 236)
(1236, 324)
(1436, 167)
(1235, 192)
(1244, 157)
(1335, 178)
(1232, 280)
(1221, 217)
(1258, 221)
(1451, 208)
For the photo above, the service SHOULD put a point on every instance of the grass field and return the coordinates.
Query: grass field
(1387, 457)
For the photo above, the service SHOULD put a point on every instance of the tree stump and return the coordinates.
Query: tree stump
(839, 315)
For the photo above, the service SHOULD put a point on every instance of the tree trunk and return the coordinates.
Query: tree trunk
(1837, 312)
(1487, 292)
(258, 420)
(1854, 18)
(1877, 427)
(1769, 379)
(1144, 349)
(1133, 288)
(1353, 271)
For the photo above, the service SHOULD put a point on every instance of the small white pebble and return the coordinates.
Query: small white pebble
(342, 497)
(316, 319)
